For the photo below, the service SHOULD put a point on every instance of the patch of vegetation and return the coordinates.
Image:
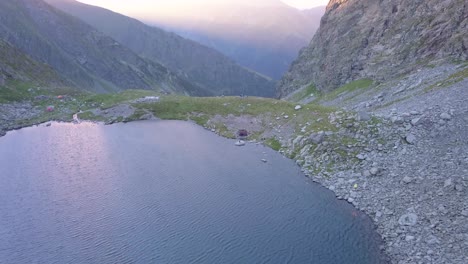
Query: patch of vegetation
(452, 79)
(105, 101)
(224, 131)
(273, 143)
(345, 140)
(304, 93)
(348, 88)
(15, 91)
(185, 108)
(90, 116)
(137, 115)
(395, 101)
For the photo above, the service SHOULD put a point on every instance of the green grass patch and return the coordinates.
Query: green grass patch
(137, 115)
(105, 101)
(196, 108)
(347, 88)
(90, 116)
(304, 93)
(15, 91)
(452, 79)
(273, 143)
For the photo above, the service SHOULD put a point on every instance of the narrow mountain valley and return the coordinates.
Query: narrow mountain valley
(375, 108)
(261, 35)
(203, 66)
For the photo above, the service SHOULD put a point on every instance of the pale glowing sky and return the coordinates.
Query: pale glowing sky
(136, 7)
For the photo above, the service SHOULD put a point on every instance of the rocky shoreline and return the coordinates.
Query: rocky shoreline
(414, 187)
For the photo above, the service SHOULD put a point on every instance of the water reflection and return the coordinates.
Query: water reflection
(165, 192)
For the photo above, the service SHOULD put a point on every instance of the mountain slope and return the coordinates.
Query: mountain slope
(262, 35)
(86, 57)
(380, 41)
(16, 66)
(200, 64)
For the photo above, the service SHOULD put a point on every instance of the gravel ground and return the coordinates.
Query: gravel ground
(415, 185)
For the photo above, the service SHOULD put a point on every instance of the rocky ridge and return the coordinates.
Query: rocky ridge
(379, 40)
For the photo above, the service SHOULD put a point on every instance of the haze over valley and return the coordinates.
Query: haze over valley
(264, 36)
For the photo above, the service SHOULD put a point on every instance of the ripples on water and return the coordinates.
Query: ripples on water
(165, 192)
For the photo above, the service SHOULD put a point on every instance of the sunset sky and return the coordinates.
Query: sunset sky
(136, 7)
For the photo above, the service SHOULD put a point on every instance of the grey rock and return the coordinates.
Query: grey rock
(464, 213)
(364, 116)
(317, 138)
(296, 141)
(407, 179)
(374, 171)
(410, 139)
(432, 240)
(445, 116)
(397, 120)
(366, 173)
(2, 133)
(415, 121)
(361, 156)
(298, 107)
(409, 219)
(448, 183)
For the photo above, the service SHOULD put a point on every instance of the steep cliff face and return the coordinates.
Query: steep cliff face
(379, 40)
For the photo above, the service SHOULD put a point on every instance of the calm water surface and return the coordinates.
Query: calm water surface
(165, 192)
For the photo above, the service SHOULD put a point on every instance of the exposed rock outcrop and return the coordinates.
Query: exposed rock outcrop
(379, 40)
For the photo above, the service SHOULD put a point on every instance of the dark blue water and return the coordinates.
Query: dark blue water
(165, 192)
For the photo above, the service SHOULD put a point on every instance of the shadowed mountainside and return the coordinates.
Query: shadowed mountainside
(16, 66)
(84, 56)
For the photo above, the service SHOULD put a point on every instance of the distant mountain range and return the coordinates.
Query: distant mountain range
(120, 52)
(265, 36)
